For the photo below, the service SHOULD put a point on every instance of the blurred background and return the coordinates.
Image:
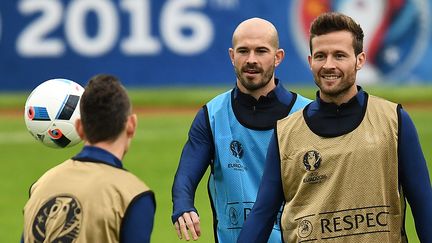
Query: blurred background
(172, 55)
(150, 43)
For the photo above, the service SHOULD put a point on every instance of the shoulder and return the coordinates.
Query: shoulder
(218, 103)
(296, 116)
(53, 172)
(382, 105)
(127, 178)
(380, 101)
(220, 98)
(110, 176)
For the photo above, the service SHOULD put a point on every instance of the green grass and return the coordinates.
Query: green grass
(197, 96)
(153, 156)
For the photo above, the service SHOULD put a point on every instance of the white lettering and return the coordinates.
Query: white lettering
(177, 20)
(34, 40)
(140, 40)
(183, 28)
(107, 27)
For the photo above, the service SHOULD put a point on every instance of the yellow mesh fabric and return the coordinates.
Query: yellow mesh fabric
(342, 189)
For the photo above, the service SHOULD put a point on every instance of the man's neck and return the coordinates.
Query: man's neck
(341, 98)
(115, 147)
(259, 92)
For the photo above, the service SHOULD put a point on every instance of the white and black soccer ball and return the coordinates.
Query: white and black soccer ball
(51, 110)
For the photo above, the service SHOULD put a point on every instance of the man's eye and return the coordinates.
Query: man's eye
(319, 57)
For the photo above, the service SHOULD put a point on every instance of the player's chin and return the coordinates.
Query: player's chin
(328, 88)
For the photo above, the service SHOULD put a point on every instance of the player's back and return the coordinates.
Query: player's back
(85, 201)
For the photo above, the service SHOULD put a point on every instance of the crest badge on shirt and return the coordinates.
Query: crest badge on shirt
(237, 151)
(304, 228)
(312, 161)
(233, 215)
(58, 220)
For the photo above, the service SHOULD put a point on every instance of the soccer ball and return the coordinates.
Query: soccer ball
(51, 110)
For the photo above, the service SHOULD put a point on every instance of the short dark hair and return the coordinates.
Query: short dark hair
(104, 107)
(332, 21)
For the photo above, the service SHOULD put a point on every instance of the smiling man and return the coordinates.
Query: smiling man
(334, 65)
(230, 134)
(345, 165)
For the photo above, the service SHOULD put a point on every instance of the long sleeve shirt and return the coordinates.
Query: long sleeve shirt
(199, 150)
(331, 119)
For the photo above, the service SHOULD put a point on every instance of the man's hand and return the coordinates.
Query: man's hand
(188, 221)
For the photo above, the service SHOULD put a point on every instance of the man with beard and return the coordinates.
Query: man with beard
(346, 164)
(231, 134)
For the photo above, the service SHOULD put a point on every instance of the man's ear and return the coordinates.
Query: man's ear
(79, 128)
(131, 125)
(231, 55)
(310, 62)
(280, 54)
(361, 60)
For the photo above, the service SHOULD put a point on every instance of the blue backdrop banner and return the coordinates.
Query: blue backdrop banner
(185, 42)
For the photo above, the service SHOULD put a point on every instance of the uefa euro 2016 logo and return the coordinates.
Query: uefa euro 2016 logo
(397, 32)
(58, 220)
(312, 160)
(236, 149)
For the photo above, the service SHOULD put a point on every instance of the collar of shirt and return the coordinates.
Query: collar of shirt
(331, 108)
(278, 94)
(99, 155)
(263, 101)
(263, 113)
(331, 120)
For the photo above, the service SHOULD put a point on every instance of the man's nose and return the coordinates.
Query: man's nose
(329, 63)
(251, 57)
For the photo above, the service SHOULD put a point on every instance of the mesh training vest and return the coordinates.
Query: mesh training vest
(81, 202)
(345, 188)
(238, 167)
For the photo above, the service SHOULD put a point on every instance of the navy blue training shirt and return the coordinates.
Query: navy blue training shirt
(198, 151)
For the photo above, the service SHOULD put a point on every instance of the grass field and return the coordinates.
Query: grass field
(154, 153)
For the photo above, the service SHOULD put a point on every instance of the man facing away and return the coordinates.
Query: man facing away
(231, 134)
(91, 197)
(346, 164)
